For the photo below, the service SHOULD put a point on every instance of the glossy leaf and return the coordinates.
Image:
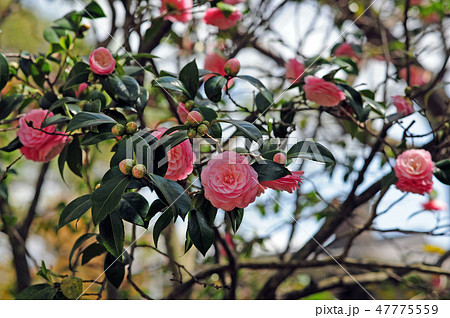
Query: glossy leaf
(268, 170)
(37, 292)
(247, 129)
(200, 231)
(83, 238)
(91, 252)
(189, 77)
(133, 208)
(114, 270)
(214, 87)
(311, 150)
(112, 234)
(74, 210)
(160, 224)
(88, 119)
(4, 71)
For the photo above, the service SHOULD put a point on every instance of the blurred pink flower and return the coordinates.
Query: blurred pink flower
(404, 105)
(177, 10)
(346, 50)
(294, 70)
(322, 92)
(434, 205)
(229, 181)
(418, 75)
(214, 16)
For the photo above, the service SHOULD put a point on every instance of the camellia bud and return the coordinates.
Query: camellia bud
(408, 91)
(189, 105)
(183, 98)
(206, 123)
(191, 133)
(126, 166)
(202, 129)
(118, 130)
(131, 128)
(232, 67)
(194, 118)
(280, 158)
(139, 171)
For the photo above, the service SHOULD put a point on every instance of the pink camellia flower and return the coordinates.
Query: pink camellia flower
(404, 105)
(229, 181)
(101, 61)
(322, 92)
(287, 183)
(418, 75)
(294, 70)
(346, 50)
(182, 112)
(81, 89)
(38, 145)
(414, 170)
(434, 205)
(181, 158)
(177, 10)
(214, 16)
(232, 67)
(215, 62)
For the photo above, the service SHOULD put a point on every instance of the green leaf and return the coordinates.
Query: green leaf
(262, 104)
(142, 100)
(268, 170)
(83, 238)
(173, 194)
(13, 145)
(388, 180)
(107, 197)
(88, 119)
(114, 270)
(155, 207)
(268, 95)
(72, 287)
(92, 11)
(200, 231)
(133, 208)
(442, 172)
(112, 234)
(74, 210)
(311, 150)
(37, 292)
(235, 217)
(50, 35)
(79, 74)
(347, 64)
(75, 159)
(214, 87)
(93, 138)
(4, 71)
(93, 250)
(56, 119)
(9, 103)
(160, 224)
(189, 77)
(172, 83)
(355, 100)
(227, 9)
(249, 130)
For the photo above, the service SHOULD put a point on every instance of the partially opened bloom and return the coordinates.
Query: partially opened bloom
(294, 70)
(287, 183)
(177, 10)
(404, 105)
(101, 61)
(434, 205)
(414, 170)
(181, 158)
(322, 92)
(418, 75)
(40, 145)
(229, 181)
(346, 50)
(214, 16)
(182, 112)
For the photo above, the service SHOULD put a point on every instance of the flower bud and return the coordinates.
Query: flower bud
(139, 171)
(202, 129)
(130, 128)
(408, 91)
(190, 104)
(232, 67)
(126, 166)
(118, 130)
(280, 158)
(191, 133)
(194, 118)
(206, 123)
(183, 98)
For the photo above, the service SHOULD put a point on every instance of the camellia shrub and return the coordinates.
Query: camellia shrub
(62, 106)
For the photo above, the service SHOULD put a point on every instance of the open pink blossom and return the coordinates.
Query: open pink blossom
(346, 50)
(214, 16)
(181, 158)
(287, 183)
(177, 10)
(229, 181)
(414, 170)
(182, 112)
(294, 70)
(418, 75)
(39, 145)
(322, 92)
(404, 105)
(434, 205)
(101, 61)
